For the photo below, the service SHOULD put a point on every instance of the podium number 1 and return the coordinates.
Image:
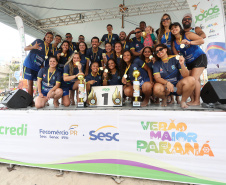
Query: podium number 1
(105, 95)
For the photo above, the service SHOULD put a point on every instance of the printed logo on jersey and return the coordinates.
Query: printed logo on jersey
(173, 67)
(161, 70)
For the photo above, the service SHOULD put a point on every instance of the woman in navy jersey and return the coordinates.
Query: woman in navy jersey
(72, 70)
(164, 36)
(109, 53)
(49, 84)
(39, 52)
(187, 44)
(118, 52)
(127, 66)
(84, 60)
(63, 54)
(147, 56)
(111, 76)
(167, 73)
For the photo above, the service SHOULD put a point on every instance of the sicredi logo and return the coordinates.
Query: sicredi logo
(18, 131)
(103, 136)
(206, 13)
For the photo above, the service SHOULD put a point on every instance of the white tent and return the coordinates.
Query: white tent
(91, 16)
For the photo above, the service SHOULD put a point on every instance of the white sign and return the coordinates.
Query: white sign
(109, 95)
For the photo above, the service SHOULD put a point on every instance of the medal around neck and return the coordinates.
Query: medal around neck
(77, 63)
(106, 70)
(101, 68)
(120, 56)
(136, 88)
(75, 51)
(125, 75)
(46, 57)
(62, 54)
(177, 57)
(182, 46)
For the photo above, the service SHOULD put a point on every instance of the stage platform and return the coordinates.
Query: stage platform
(127, 106)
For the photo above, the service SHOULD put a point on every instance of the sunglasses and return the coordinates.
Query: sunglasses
(138, 32)
(68, 36)
(81, 38)
(166, 19)
(157, 51)
(187, 19)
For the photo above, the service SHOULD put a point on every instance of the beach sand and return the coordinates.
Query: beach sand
(37, 176)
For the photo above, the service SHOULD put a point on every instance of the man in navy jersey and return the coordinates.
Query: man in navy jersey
(94, 54)
(122, 37)
(110, 37)
(73, 45)
(136, 46)
(142, 27)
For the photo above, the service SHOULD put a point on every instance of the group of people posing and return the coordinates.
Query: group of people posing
(169, 64)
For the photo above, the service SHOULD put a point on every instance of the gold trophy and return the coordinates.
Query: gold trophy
(117, 98)
(81, 91)
(136, 88)
(92, 99)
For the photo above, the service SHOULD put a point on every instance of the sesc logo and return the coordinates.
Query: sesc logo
(206, 13)
(103, 136)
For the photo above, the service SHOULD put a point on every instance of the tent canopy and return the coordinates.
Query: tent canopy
(88, 17)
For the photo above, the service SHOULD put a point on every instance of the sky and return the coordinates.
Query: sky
(9, 49)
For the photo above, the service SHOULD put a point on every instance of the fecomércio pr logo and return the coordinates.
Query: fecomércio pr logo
(59, 133)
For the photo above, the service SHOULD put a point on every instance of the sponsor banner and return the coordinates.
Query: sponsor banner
(20, 27)
(209, 15)
(179, 146)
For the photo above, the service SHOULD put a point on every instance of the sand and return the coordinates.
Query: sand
(36, 176)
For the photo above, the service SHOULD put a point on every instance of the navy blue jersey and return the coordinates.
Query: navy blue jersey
(110, 38)
(54, 78)
(137, 45)
(118, 61)
(95, 57)
(169, 71)
(150, 65)
(190, 52)
(138, 65)
(62, 61)
(73, 47)
(36, 57)
(53, 49)
(115, 79)
(83, 62)
(126, 46)
(111, 56)
(67, 72)
(96, 78)
(166, 39)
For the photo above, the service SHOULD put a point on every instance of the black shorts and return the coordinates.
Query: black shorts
(201, 61)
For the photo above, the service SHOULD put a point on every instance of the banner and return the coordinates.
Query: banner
(178, 146)
(209, 15)
(20, 27)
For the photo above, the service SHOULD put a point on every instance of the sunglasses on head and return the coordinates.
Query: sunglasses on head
(166, 19)
(68, 36)
(187, 19)
(138, 32)
(157, 51)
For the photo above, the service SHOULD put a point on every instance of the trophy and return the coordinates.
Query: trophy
(117, 98)
(92, 99)
(81, 91)
(136, 88)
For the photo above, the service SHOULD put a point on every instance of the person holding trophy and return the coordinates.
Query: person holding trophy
(168, 70)
(72, 70)
(127, 66)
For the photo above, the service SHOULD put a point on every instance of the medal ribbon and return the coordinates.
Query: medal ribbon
(46, 50)
(127, 69)
(167, 36)
(48, 79)
(109, 38)
(95, 55)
